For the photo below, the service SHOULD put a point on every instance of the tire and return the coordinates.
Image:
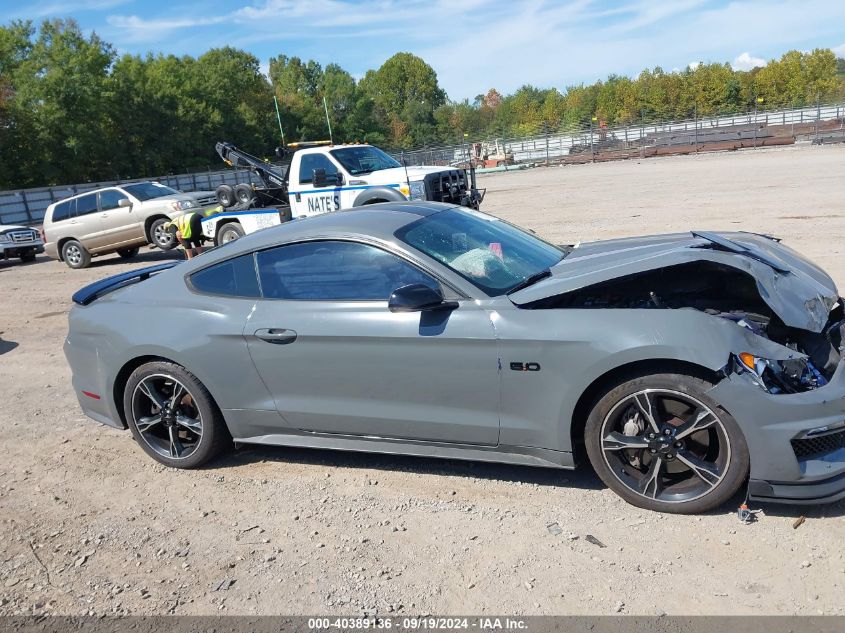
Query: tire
(75, 255)
(229, 232)
(186, 438)
(226, 196)
(244, 194)
(128, 253)
(698, 466)
(28, 258)
(159, 237)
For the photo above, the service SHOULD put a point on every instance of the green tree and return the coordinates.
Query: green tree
(405, 92)
(61, 82)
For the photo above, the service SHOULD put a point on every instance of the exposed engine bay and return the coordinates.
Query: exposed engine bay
(729, 293)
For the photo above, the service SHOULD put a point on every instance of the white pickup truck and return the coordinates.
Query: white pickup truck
(323, 177)
(19, 241)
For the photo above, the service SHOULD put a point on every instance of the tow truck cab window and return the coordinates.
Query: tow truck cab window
(64, 210)
(310, 162)
(232, 278)
(86, 204)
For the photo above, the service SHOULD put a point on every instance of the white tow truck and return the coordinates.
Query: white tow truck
(321, 177)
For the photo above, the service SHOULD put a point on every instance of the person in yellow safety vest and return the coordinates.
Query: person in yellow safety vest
(187, 228)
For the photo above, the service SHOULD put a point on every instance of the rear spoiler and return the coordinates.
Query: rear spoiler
(89, 293)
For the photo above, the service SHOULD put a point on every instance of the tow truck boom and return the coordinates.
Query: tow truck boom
(271, 176)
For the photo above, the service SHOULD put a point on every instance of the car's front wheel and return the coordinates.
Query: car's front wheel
(172, 415)
(662, 444)
(161, 237)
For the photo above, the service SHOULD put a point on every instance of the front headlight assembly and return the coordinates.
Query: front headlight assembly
(4, 238)
(793, 375)
(182, 205)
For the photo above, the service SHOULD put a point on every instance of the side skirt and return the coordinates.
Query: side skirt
(520, 455)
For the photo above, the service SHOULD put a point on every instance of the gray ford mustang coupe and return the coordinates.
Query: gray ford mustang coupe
(682, 366)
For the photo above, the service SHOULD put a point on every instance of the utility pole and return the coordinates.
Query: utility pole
(818, 117)
(757, 102)
(464, 149)
(279, 119)
(328, 122)
(695, 103)
(546, 126)
(695, 116)
(592, 151)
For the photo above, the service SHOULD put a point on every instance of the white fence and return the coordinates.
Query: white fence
(27, 206)
(558, 144)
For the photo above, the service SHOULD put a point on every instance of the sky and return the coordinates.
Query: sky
(473, 45)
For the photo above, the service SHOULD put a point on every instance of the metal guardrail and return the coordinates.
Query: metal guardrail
(27, 206)
(555, 145)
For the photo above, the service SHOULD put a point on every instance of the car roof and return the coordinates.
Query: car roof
(119, 185)
(379, 221)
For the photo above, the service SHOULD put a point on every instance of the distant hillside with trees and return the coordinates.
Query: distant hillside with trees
(72, 110)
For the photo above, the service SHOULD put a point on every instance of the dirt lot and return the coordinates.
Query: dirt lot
(88, 523)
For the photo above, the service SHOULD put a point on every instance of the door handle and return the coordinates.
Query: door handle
(278, 336)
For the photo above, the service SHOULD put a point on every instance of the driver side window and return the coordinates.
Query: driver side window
(310, 162)
(335, 271)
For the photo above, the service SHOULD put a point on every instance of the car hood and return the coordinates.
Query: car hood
(397, 174)
(176, 197)
(15, 227)
(797, 291)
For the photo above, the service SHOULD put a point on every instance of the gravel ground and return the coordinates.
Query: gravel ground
(89, 524)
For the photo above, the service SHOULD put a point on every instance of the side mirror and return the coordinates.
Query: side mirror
(124, 202)
(418, 298)
(321, 179)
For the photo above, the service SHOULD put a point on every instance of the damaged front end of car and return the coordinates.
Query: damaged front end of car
(783, 377)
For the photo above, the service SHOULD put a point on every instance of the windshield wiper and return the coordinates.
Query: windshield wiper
(531, 280)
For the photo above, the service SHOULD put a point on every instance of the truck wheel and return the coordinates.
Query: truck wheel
(225, 196)
(244, 194)
(75, 255)
(229, 233)
(159, 237)
(128, 253)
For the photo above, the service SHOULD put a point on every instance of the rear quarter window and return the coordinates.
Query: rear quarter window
(232, 278)
(64, 210)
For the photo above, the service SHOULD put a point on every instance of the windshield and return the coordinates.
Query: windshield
(148, 190)
(363, 160)
(490, 253)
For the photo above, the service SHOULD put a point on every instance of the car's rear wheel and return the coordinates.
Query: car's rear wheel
(161, 237)
(75, 255)
(662, 444)
(172, 415)
(128, 253)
